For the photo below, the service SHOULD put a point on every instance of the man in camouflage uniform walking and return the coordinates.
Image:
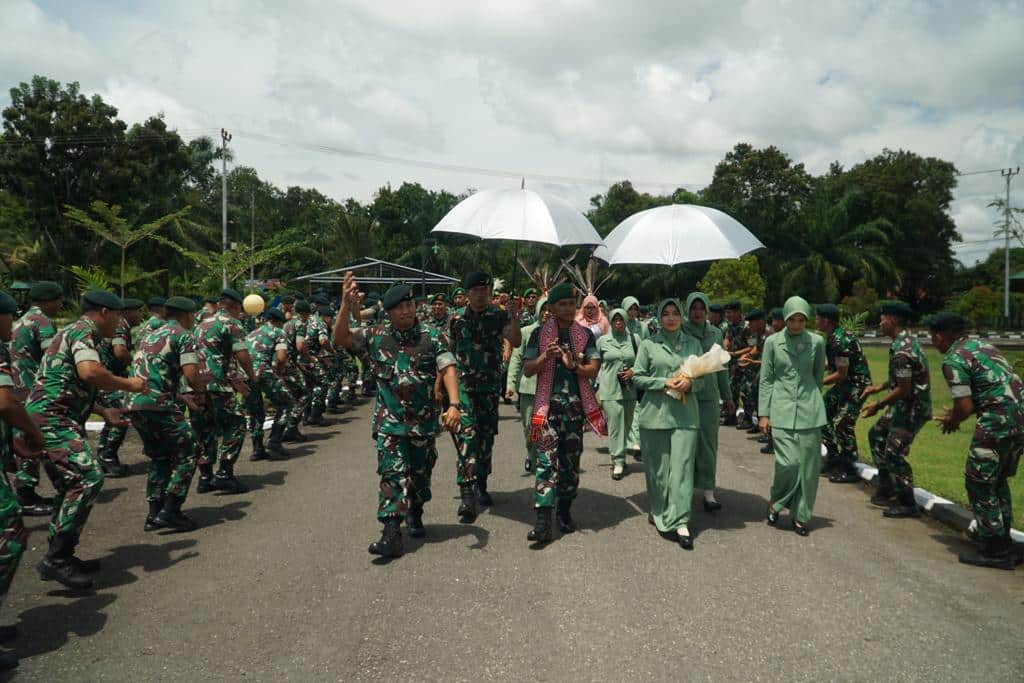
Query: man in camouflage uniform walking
(738, 345)
(406, 357)
(269, 351)
(749, 368)
(440, 318)
(982, 383)
(477, 337)
(908, 408)
(13, 535)
(157, 315)
(116, 354)
(299, 358)
(166, 356)
(220, 341)
(32, 334)
(848, 375)
(60, 402)
(316, 372)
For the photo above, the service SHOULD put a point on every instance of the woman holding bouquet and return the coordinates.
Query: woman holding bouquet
(615, 387)
(793, 411)
(669, 427)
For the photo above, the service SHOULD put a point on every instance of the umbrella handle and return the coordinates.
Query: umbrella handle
(515, 270)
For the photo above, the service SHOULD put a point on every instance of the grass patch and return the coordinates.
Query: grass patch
(938, 459)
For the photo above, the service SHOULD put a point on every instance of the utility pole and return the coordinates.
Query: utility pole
(252, 235)
(1008, 174)
(225, 138)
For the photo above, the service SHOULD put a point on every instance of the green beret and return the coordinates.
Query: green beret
(325, 310)
(318, 299)
(45, 291)
(131, 304)
(777, 314)
(288, 299)
(156, 301)
(228, 293)
(716, 308)
(371, 298)
(210, 299)
(274, 314)
(438, 297)
(947, 322)
(19, 286)
(756, 314)
(303, 306)
(97, 298)
(828, 311)
(529, 291)
(897, 308)
(733, 306)
(8, 306)
(561, 291)
(477, 279)
(395, 296)
(458, 290)
(178, 303)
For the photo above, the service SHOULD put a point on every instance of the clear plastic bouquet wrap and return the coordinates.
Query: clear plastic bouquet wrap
(715, 360)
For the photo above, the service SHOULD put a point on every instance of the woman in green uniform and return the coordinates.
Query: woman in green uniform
(634, 324)
(715, 388)
(669, 427)
(615, 387)
(793, 411)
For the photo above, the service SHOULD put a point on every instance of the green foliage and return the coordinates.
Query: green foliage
(738, 279)
(93, 277)
(863, 299)
(854, 322)
(981, 305)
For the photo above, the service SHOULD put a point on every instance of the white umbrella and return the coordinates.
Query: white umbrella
(677, 233)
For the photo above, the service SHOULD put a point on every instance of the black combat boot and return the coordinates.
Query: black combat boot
(482, 495)
(32, 504)
(768, 448)
(225, 479)
(845, 473)
(414, 521)
(274, 448)
(171, 516)
(111, 464)
(154, 509)
(292, 434)
(333, 407)
(993, 552)
(565, 523)
(905, 506)
(258, 451)
(390, 543)
(205, 483)
(729, 420)
(753, 428)
(467, 505)
(744, 424)
(886, 489)
(57, 564)
(315, 417)
(541, 531)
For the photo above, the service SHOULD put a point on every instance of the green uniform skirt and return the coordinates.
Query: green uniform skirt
(619, 417)
(797, 468)
(526, 414)
(707, 448)
(669, 456)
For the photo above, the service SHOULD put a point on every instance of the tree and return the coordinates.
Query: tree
(981, 305)
(738, 279)
(113, 228)
(236, 262)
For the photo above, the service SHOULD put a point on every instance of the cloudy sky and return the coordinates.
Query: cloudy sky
(574, 94)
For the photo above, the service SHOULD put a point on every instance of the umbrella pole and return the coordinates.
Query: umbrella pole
(515, 271)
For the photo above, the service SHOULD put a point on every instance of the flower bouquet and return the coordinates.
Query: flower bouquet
(715, 360)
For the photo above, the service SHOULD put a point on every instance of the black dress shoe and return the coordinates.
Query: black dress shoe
(685, 542)
(711, 505)
(772, 517)
(801, 530)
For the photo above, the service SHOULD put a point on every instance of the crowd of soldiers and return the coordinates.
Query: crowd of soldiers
(194, 380)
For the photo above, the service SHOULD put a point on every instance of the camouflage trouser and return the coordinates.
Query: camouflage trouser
(475, 442)
(28, 473)
(13, 535)
(404, 464)
(74, 472)
(272, 389)
(985, 477)
(735, 382)
(111, 438)
(842, 408)
(294, 381)
(890, 440)
(219, 420)
(557, 474)
(167, 440)
(749, 381)
(317, 386)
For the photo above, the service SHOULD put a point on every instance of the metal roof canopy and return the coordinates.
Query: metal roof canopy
(381, 272)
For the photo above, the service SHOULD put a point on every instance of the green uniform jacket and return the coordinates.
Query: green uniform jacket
(792, 376)
(517, 381)
(708, 335)
(656, 361)
(635, 326)
(617, 355)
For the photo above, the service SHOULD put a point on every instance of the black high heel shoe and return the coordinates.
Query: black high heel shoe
(711, 505)
(801, 530)
(772, 518)
(685, 542)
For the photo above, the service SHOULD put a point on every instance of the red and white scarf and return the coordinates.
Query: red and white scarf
(545, 380)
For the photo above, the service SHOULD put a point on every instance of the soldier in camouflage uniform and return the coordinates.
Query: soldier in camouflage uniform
(526, 315)
(749, 368)
(738, 345)
(295, 377)
(459, 301)
(477, 337)
(13, 535)
(220, 341)
(61, 400)
(715, 315)
(316, 372)
(440, 318)
(269, 351)
(406, 358)
(157, 315)
(982, 383)
(848, 375)
(32, 334)
(908, 408)
(167, 356)
(208, 311)
(116, 354)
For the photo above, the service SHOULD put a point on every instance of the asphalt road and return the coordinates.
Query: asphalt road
(278, 585)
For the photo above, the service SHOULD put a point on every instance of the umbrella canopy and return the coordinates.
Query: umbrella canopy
(677, 233)
(521, 215)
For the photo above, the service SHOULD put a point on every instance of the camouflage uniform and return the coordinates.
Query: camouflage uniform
(218, 338)
(13, 535)
(892, 435)
(404, 366)
(111, 438)
(557, 474)
(59, 403)
(317, 339)
(843, 402)
(294, 379)
(151, 324)
(31, 335)
(738, 336)
(264, 343)
(975, 369)
(167, 438)
(476, 340)
(749, 376)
